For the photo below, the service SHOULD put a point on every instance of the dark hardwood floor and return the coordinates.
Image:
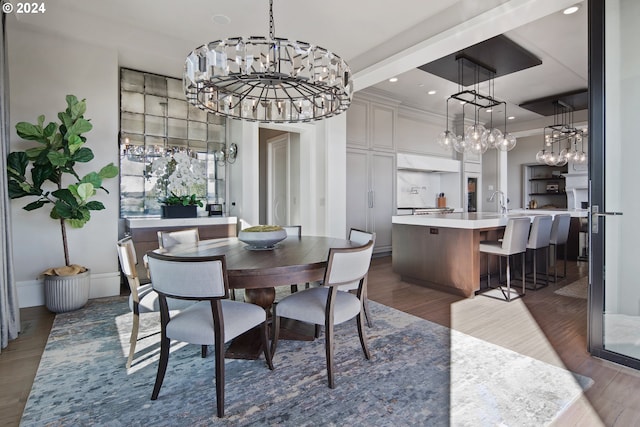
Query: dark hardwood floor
(543, 325)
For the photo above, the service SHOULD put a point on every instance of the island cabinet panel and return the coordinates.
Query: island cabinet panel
(441, 257)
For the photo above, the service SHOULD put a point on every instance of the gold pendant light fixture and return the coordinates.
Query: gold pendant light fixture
(267, 79)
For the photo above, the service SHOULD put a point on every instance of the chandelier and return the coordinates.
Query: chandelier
(267, 80)
(477, 138)
(561, 140)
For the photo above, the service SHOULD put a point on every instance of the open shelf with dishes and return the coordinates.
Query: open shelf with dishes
(544, 187)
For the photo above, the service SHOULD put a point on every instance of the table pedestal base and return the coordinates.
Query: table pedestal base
(248, 345)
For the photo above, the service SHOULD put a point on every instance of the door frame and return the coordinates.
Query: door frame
(280, 140)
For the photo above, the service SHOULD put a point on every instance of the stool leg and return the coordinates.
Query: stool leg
(508, 280)
(564, 247)
(546, 264)
(488, 271)
(524, 287)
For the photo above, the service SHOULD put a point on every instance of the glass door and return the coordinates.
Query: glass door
(614, 316)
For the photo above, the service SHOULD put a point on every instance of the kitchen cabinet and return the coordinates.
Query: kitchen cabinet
(371, 194)
(544, 184)
(371, 126)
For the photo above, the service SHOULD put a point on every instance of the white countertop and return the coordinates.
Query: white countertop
(180, 222)
(476, 220)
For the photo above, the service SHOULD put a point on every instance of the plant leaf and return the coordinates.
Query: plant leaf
(35, 205)
(92, 178)
(30, 132)
(85, 191)
(40, 173)
(57, 158)
(75, 142)
(79, 127)
(95, 205)
(83, 155)
(65, 195)
(109, 171)
(17, 163)
(15, 190)
(49, 130)
(78, 108)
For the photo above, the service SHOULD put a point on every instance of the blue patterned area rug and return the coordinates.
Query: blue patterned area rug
(420, 374)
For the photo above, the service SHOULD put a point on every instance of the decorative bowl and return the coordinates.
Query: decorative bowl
(262, 236)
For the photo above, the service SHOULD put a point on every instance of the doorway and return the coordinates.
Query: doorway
(614, 315)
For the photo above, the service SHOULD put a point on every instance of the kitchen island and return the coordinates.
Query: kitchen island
(442, 250)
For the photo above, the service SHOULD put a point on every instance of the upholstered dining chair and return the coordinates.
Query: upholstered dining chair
(326, 305)
(513, 242)
(539, 238)
(361, 237)
(559, 237)
(213, 320)
(142, 299)
(166, 239)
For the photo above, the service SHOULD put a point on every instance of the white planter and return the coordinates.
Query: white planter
(66, 293)
(262, 239)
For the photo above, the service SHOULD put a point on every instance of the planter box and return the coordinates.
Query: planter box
(177, 211)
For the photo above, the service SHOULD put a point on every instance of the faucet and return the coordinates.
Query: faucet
(502, 200)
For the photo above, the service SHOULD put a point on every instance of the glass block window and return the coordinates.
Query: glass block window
(166, 145)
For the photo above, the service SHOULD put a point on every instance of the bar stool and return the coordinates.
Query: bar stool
(559, 237)
(514, 242)
(539, 238)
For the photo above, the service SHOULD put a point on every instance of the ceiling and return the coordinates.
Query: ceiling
(378, 39)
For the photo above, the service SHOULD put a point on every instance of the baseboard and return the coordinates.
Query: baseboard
(31, 292)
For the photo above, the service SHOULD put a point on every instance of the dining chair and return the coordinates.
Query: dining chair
(294, 231)
(326, 305)
(213, 319)
(513, 242)
(539, 238)
(166, 239)
(559, 237)
(361, 237)
(142, 299)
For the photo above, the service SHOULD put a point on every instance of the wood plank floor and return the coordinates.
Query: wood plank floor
(543, 325)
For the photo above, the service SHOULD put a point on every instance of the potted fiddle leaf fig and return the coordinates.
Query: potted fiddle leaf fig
(47, 173)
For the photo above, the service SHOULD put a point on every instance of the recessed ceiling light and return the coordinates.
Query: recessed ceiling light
(393, 79)
(432, 92)
(489, 110)
(571, 9)
(420, 84)
(511, 117)
(220, 19)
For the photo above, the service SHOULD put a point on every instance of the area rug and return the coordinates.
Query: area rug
(420, 374)
(577, 289)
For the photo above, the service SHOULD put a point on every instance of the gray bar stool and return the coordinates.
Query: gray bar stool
(513, 242)
(559, 237)
(539, 238)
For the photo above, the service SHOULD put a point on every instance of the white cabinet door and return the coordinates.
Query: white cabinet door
(370, 194)
(358, 193)
(383, 185)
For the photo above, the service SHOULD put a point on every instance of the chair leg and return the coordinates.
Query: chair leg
(363, 337)
(564, 247)
(162, 366)
(203, 351)
(488, 273)
(133, 339)
(275, 331)
(546, 264)
(328, 340)
(318, 331)
(219, 351)
(524, 286)
(294, 289)
(264, 337)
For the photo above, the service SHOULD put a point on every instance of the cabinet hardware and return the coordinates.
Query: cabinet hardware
(595, 214)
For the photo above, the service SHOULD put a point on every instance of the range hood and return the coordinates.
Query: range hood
(426, 163)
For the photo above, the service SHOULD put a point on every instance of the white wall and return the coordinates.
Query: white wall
(524, 153)
(43, 69)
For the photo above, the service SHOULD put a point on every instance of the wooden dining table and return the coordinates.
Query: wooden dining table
(292, 261)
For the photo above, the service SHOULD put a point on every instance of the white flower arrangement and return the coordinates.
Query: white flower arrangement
(179, 175)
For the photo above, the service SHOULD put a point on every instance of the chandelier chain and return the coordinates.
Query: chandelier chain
(272, 26)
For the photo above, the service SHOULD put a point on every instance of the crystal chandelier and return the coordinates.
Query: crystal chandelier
(267, 80)
(477, 139)
(560, 143)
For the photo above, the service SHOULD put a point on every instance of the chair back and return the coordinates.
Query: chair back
(560, 229)
(293, 230)
(189, 278)
(347, 265)
(127, 256)
(361, 237)
(515, 236)
(540, 234)
(166, 239)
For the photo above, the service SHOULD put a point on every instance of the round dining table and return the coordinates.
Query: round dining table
(258, 271)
